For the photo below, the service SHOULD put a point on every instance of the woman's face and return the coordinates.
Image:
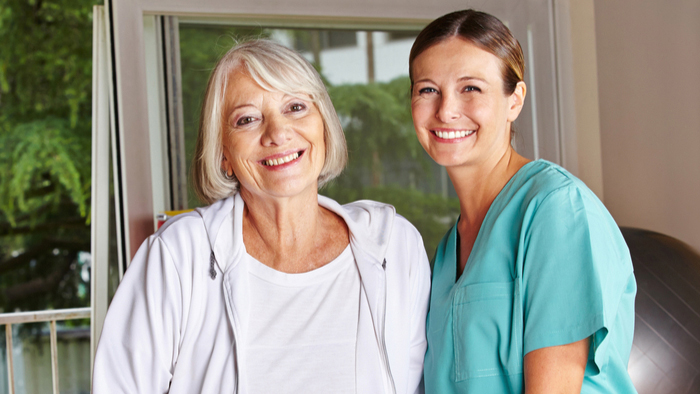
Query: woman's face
(273, 142)
(460, 112)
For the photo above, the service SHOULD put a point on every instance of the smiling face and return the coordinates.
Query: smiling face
(460, 111)
(273, 142)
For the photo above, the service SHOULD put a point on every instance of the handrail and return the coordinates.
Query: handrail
(51, 316)
(44, 316)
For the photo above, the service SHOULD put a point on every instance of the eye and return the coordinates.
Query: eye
(244, 120)
(471, 88)
(297, 107)
(427, 91)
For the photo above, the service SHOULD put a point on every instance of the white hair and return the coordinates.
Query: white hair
(275, 68)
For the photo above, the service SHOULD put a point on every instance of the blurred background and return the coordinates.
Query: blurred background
(613, 95)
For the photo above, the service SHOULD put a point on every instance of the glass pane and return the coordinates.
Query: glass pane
(31, 355)
(114, 274)
(45, 181)
(45, 151)
(73, 346)
(366, 74)
(32, 358)
(3, 361)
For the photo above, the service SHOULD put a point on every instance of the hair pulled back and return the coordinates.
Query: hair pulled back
(481, 29)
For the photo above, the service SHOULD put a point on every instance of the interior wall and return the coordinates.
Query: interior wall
(649, 93)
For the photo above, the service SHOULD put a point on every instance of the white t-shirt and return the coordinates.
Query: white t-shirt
(302, 332)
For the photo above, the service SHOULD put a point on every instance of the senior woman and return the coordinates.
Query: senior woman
(271, 288)
(532, 289)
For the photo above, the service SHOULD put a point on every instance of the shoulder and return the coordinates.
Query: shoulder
(401, 237)
(197, 225)
(542, 182)
(542, 177)
(181, 229)
(368, 208)
(376, 226)
(187, 238)
(562, 209)
(375, 213)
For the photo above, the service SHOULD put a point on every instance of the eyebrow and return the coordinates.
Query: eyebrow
(462, 79)
(467, 78)
(240, 106)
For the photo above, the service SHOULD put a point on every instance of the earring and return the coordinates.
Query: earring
(226, 175)
(224, 171)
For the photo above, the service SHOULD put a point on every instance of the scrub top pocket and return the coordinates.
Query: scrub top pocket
(486, 321)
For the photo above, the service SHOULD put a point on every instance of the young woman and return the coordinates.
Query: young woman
(533, 289)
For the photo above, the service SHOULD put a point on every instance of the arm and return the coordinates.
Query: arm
(139, 342)
(567, 271)
(420, 298)
(556, 369)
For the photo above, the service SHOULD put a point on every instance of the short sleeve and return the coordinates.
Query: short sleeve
(574, 272)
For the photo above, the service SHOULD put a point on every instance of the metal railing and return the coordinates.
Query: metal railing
(51, 316)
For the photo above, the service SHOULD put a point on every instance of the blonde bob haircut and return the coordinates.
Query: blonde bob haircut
(275, 68)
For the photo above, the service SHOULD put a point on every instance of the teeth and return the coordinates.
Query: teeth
(450, 135)
(281, 160)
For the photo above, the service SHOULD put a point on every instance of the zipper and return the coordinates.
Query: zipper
(382, 344)
(229, 312)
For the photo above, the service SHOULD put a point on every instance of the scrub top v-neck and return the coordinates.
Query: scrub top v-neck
(548, 267)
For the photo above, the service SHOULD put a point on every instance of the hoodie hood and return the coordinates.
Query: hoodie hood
(369, 222)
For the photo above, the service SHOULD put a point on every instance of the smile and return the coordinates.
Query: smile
(282, 160)
(450, 135)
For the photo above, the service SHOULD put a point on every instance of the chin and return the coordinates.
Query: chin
(448, 159)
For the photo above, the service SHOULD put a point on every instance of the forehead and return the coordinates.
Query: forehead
(242, 89)
(240, 82)
(456, 57)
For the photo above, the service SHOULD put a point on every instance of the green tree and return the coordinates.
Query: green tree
(378, 128)
(45, 134)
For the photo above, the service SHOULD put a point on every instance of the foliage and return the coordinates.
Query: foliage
(45, 116)
(45, 59)
(47, 166)
(378, 128)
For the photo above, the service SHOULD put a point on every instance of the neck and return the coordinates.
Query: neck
(477, 185)
(289, 234)
(281, 223)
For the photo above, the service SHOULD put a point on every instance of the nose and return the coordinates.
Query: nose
(448, 109)
(277, 131)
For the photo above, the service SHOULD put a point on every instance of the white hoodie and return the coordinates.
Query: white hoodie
(177, 321)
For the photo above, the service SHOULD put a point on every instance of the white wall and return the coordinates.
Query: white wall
(649, 93)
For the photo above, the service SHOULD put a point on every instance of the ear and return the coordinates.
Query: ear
(225, 166)
(516, 101)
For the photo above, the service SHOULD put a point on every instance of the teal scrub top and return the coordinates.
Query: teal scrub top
(548, 267)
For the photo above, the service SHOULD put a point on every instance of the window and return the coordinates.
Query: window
(402, 35)
(45, 194)
(316, 40)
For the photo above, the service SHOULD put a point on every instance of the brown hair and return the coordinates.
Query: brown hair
(483, 30)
